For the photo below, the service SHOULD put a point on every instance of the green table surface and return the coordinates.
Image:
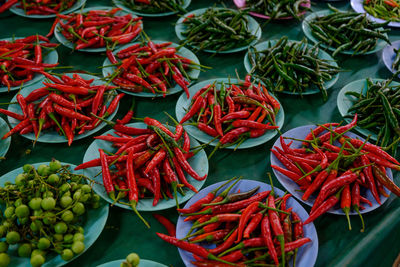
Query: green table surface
(124, 233)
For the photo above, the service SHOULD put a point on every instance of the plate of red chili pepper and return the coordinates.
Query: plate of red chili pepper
(160, 67)
(24, 59)
(146, 12)
(241, 120)
(258, 224)
(142, 263)
(42, 9)
(57, 111)
(4, 143)
(94, 28)
(384, 7)
(156, 166)
(312, 174)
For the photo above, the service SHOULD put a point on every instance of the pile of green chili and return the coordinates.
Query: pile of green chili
(378, 110)
(396, 61)
(155, 6)
(384, 9)
(348, 31)
(276, 9)
(218, 29)
(291, 66)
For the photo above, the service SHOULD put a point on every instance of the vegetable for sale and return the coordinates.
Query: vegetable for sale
(99, 28)
(291, 66)
(33, 7)
(43, 212)
(21, 59)
(132, 260)
(217, 29)
(383, 9)
(276, 9)
(155, 6)
(244, 230)
(67, 105)
(332, 167)
(150, 67)
(347, 31)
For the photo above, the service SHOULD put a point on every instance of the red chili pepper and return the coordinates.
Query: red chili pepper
(17, 128)
(207, 129)
(181, 175)
(70, 113)
(156, 123)
(186, 165)
(107, 182)
(286, 162)
(194, 109)
(130, 130)
(293, 176)
(156, 160)
(276, 225)
(252, 208)
(7, 5)
(166, 223)
(317, 131)
(384, 180)
(373, 149)
(12, 114)
(345, 203)
(298, 226)
(267, 236)
(355, 201)
(253, 224)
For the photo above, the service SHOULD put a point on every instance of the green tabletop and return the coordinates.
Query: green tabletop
(124, 233)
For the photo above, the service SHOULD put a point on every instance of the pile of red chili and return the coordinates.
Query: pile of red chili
(247, 228)
(20, 59)
(234, 112)
(66, 105)
(148, 162)
(335, 169)
(99, 28)
(34, 7)
(151, 67)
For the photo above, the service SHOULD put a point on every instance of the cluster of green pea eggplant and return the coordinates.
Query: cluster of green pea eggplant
(218, 29)
(383, 9)
(346, 31)
(378, 110)
(276, 9)
(291, 67)
(42, 213)
(155, 6)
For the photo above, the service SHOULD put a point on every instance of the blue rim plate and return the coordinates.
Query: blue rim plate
(142, 263)
(4, 143)
(47, 136)
(193, 73)
(344, 102)
(388, 55)
(308, 33)
(322, 54)
(183, 104)
(199, 163)
(253, 26)
(121, 4)
(358, 6)
(300, 133)
(307, 254)
(50, 58)
(60, 37)
(20, 11)
(94, 223)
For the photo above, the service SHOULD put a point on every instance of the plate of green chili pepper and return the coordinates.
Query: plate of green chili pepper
(279, 10)
(20, 12)
(192, 72)
(347, 33)
(204, 136)
(142, 263)
(198, 162)
(4, 143)
(376, 103)
(391, 57)
(306, 255)
(379, 11)
(268, 60)
(297, 135)
(50, 56)
(93, 223)
(218, 30)
(47, 136)
(153, 8)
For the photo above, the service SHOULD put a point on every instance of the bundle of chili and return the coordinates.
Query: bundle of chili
(153, 6)
(68, 105)
(279, 9)
(149, 162)
(383, 9)
(99, 28)
(331, 164)
(22, 59)
(150, 67)
(34, 7)
(244, 229)
(217, 29)
(233, 112)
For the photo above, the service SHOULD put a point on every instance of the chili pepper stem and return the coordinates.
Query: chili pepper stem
(346, 211)
(281, 240)
(361, 218)
(133, 204)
